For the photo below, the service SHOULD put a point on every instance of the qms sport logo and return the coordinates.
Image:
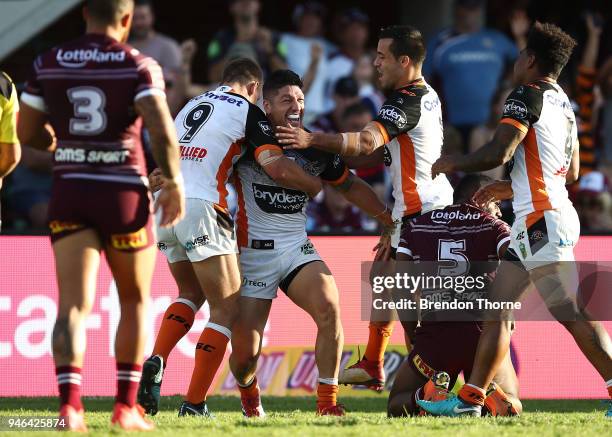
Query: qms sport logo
(393, 114)
(277, 200)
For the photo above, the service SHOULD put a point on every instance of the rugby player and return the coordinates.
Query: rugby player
(468, 234)
(10, 150)
(95, 93)
(407, 134)
(276, 252)
(215, 129)
(538, 131)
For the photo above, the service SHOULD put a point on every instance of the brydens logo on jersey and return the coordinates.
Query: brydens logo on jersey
(278, 200)
(516, 109)
(393, 114)
(79, 57)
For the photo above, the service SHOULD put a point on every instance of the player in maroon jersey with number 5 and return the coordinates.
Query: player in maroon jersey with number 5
(86, 101)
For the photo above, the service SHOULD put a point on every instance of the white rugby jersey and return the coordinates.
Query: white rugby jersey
(410, 121)
(214, 130)
(273, 217)
(542, 110)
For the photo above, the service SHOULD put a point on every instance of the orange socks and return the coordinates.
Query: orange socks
(210, 351)
(326, 395)
(177, 321)
(472, 394)
(378, 340)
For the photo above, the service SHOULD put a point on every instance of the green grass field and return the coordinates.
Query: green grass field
(295, 417)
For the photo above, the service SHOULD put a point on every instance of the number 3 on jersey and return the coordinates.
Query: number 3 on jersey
(195, 119)
(89, 116)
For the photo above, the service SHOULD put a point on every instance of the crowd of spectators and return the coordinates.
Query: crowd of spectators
(469, 64)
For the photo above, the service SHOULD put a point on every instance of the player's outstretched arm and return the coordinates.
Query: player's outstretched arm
(345, 144)
(359, 193)
(287, 173)
(33, 129)
(496, 152)
(156, 115)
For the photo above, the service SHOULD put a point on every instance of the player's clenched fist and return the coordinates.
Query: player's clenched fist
(444, 164)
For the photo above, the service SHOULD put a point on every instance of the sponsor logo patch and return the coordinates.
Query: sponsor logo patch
(57, 226)
(515, 109)
(277, 200)
(266, 128)
(422, 367)
(202, 240)
(80, 57)
(134, 240)
(307, 248)
(445, 216)
(394, 114)
(253, 283)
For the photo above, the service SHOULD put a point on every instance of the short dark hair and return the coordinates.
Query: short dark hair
(358, 108)
(279, 79)
(407, 41)
(551, 46)
(468, 185)
(108, 11)
(148, 3)
(242, 70)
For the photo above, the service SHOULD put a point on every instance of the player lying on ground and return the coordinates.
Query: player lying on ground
(201, 249)
(95, 92)
(538, 131)
(407, 133)
(276, 252)
(443, 349)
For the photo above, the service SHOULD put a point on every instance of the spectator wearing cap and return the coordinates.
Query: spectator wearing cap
(246, 38)
(307, 53)
(346, 93)
(594, 202)
(353, 32)
(466, 64)
(165, 50)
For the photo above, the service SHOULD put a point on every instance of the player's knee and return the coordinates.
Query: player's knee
(327, 315)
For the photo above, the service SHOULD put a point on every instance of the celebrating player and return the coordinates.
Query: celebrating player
(407, 133)
(95, 92)
(443, 349)
(215, 129)
(537, 130)
(276, 252)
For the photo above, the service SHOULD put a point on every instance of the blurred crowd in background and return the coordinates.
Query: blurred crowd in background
(469, 64)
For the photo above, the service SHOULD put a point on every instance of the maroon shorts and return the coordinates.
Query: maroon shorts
(120, 213)
(445, 346)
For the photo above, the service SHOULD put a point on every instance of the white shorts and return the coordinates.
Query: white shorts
(265, 270)
(205, 231)
(545, 237)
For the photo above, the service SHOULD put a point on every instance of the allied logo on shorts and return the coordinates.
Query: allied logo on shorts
(307, 249)
(253, 283)
(516, 109)
(278, 200)
(80, 57)
(134, 240)
(202, 240)
(393, 114)
(266, 128)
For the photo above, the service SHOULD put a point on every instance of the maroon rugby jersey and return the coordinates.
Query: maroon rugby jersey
(460, 239)
(457, 232)
(88, 88)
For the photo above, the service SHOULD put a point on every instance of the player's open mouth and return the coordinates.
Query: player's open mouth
(294, 120)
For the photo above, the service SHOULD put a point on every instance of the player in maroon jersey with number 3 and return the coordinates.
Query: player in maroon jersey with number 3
(94, 93)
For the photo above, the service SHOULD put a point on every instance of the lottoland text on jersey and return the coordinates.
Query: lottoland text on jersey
(418, 291)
